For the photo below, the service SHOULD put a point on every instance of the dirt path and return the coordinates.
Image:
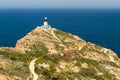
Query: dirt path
(52, 32)
(32, 69)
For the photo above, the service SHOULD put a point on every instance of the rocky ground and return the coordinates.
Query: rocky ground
(58, 56)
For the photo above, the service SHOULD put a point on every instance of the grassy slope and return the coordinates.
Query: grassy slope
(17, 64)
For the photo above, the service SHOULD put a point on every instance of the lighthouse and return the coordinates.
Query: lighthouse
(46, 26)
(45, 21)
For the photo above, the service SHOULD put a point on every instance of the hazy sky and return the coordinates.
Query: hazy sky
(59, 3)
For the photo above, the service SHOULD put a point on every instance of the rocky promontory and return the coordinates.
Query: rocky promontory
(57, 55)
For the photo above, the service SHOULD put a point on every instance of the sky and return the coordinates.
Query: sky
(59, 3)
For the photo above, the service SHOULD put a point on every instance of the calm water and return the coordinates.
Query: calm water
(101, 27)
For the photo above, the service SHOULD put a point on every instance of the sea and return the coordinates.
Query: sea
(99, 26)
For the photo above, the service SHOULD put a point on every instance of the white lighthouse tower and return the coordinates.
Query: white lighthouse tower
(45, 21)
(46, 26)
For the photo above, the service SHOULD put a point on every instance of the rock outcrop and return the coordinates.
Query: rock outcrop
(52, 39)
(60, 56)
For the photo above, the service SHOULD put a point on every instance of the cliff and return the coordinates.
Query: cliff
(56, 55)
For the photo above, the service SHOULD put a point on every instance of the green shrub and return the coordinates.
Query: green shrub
(88, 72)
(106, 76)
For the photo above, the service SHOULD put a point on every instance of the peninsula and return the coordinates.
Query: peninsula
(47, 53)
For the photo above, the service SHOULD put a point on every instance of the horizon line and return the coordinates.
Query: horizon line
(61, 8)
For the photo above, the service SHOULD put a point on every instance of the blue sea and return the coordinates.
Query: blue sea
(99, 26)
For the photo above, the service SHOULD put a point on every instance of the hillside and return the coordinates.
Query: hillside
(56, 55)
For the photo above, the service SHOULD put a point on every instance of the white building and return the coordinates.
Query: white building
(46, 26)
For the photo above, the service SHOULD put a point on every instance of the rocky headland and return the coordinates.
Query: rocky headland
(56, 55)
